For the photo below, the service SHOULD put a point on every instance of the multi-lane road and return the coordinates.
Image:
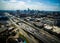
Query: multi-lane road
(42, 35)
(30, 39)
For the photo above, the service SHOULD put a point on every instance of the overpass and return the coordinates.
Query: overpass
(41, 34)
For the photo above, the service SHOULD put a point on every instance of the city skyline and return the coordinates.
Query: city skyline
(47, 5)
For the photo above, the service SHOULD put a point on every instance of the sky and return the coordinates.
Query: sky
(48, 5)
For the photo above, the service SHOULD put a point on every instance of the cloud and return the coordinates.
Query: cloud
(21, 5)
(15, 0)
(13, 6)
(12, 0)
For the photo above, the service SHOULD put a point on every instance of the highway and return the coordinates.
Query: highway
(30, 39)
(36, 32)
